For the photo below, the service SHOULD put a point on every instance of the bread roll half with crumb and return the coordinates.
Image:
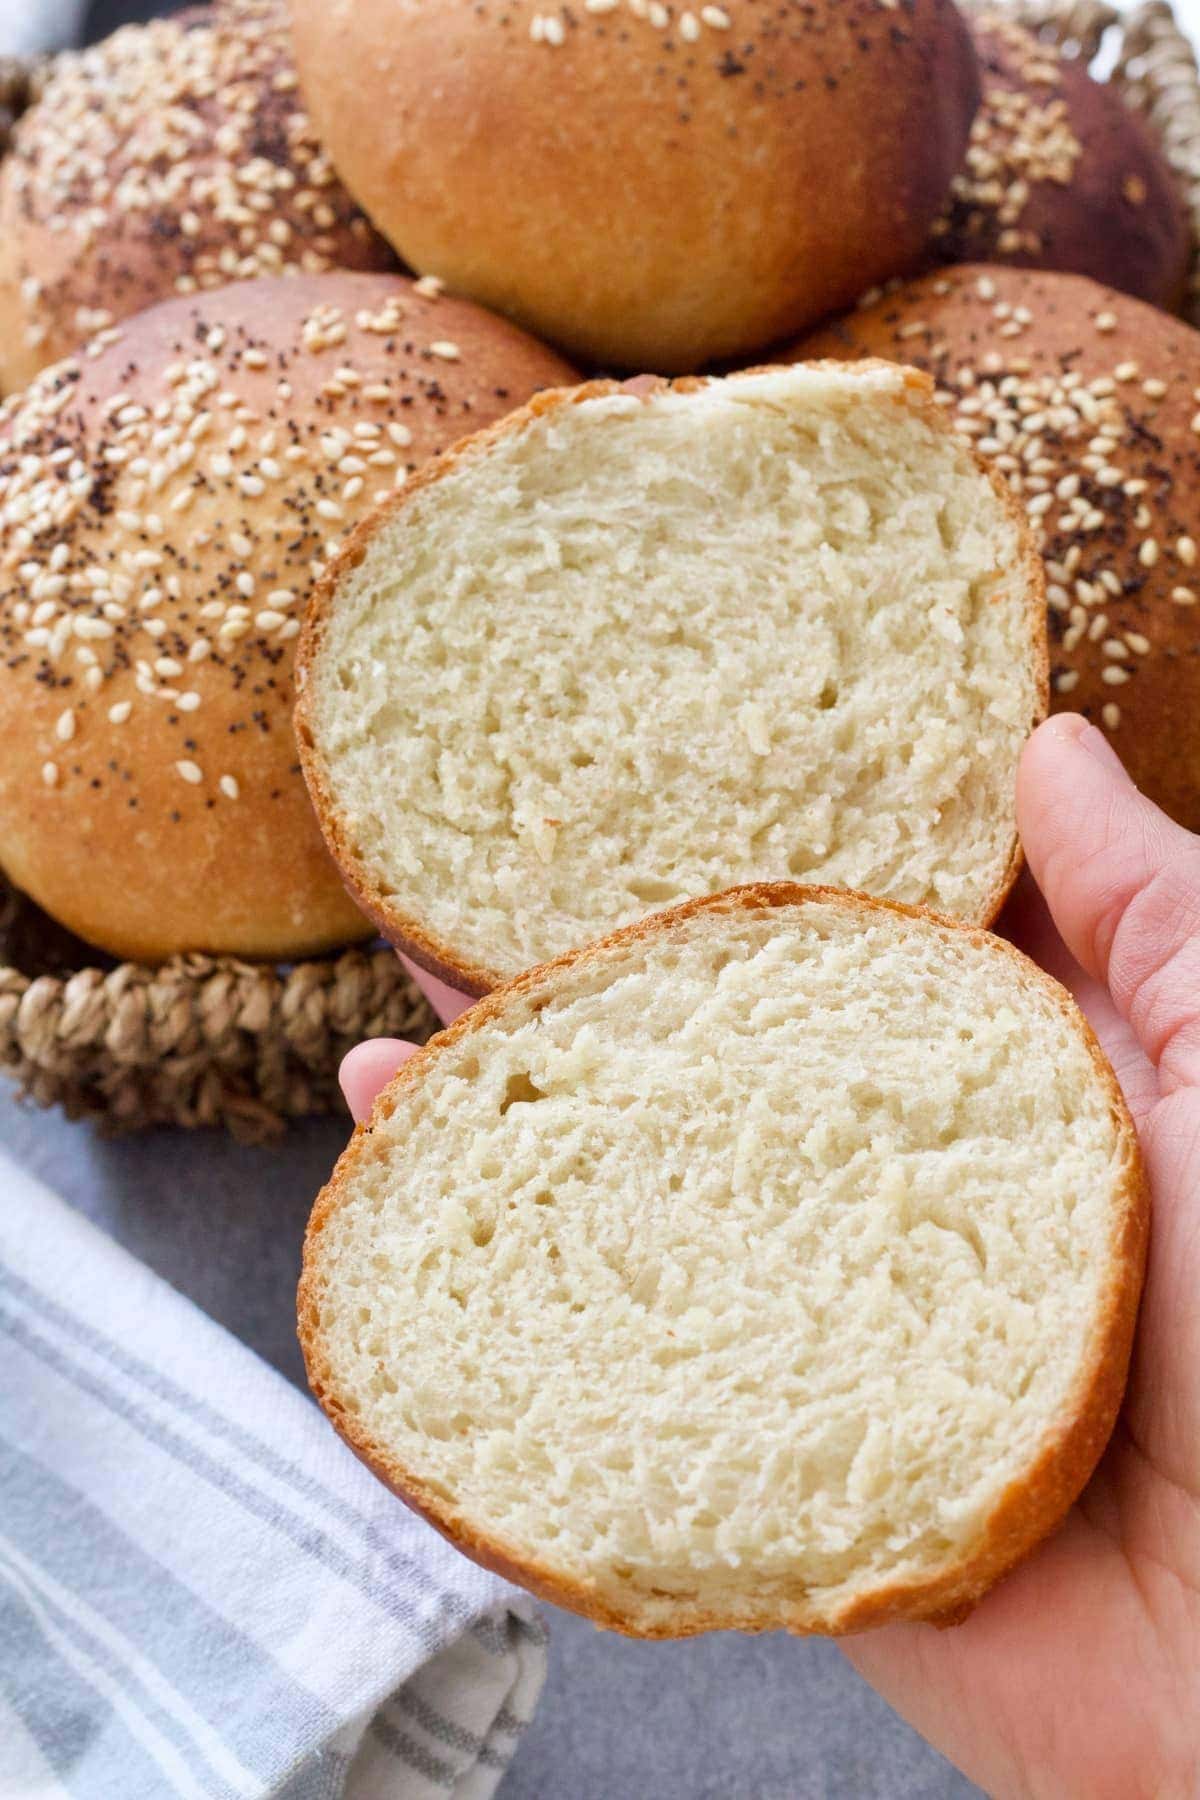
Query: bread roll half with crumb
(772, 1263)
(629, 647)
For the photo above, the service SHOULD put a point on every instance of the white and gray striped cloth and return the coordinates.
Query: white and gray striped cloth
(202, 1593)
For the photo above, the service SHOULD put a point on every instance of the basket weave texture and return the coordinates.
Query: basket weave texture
(215, 1041)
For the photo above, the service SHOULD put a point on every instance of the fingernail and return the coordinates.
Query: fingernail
(1073, 728)
(1098, 747)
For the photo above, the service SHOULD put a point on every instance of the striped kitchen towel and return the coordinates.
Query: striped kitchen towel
(202, 1593)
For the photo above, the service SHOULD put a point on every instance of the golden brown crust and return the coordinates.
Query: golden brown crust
(1123, 561)
(410, 935)
(152, 572)
(1060, 174)
(716, 180)
(1033, 1505)
(193, 123)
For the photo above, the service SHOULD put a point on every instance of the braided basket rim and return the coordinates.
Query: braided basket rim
(212, 1040)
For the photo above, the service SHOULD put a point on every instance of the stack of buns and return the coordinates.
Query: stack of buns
(720, 178)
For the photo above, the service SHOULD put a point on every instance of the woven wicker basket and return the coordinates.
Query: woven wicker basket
(210, 1040)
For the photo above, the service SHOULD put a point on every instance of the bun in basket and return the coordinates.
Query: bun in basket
(630, 647)
(172, 157)
(1060, 174)
(1089, 405)
(649, 186)
(771, 1263)
(165, 502)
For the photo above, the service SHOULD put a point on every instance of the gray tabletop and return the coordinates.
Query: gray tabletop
(769, 1718)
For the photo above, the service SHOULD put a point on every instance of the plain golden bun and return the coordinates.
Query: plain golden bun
(165, 503)
(1060, 174)
(172, 157)
(773, 1262)
(626, 647)
(646, 185)
(1089, 404)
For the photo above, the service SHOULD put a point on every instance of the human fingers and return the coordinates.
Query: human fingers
(1122, 883)
(1026, 922)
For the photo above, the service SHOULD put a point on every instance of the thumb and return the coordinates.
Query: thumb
(1123, 885)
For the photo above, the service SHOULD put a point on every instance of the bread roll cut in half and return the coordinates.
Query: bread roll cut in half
(771, 1263)
(650, 186)
(1088, 403)
(174, 156)
(628, 648)
(166, 500)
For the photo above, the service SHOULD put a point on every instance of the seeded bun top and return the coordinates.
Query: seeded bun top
(172, 157)
(1060, 174)
(1089, 403)
(648, 183)
(165, 503)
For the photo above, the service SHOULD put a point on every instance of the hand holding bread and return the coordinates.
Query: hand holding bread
(1079, 1672)
(755, 1253)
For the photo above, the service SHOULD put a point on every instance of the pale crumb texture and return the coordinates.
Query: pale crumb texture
(733, 1272)
(646, 649)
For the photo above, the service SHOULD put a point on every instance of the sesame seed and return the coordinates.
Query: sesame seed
(1105, 321)
(1183, 596)
(64, 726)
(119, 711)
(444, 350)
(1114, 676)
(1066, 682)
(715, 17)
(190, 771)
(268, 620)
(228, 786)
(50, 774)
(1110, 713)
(1137, 643)
(1148, 553)
(245, 583)
(689, 27)
(188, 701)
(1154, 389)
(1185, 550)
